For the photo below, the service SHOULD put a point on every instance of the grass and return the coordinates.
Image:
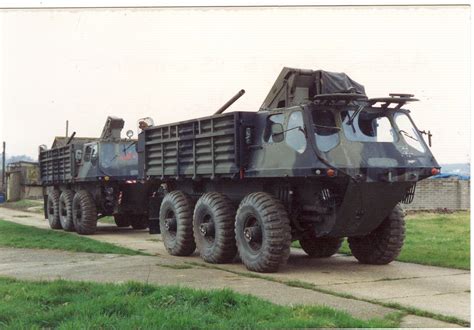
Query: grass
(402, 310)
(107, 219)
(71, 305)
(21, 236)
(24, 205)
(434, 239)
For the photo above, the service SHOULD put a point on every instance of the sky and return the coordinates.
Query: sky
(173, 64)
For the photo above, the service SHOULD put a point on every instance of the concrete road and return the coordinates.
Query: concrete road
(438, 290)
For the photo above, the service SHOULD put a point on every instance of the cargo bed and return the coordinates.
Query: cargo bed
(207, 147)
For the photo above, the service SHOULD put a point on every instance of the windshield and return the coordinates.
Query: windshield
(371, 137)
(118, 159)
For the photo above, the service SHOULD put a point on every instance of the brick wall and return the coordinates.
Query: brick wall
(449, 193)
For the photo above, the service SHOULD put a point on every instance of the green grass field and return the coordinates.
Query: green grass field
(434, 239)
(21, 236)
(81, 305)
(24, 205)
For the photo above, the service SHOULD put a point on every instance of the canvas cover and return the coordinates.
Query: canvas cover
(296, 86)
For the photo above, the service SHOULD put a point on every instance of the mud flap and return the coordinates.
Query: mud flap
(154, 214)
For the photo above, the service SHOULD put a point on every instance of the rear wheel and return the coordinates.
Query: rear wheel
(262, 232)
(53, 210)
(176, 224)
(121, 220)
(384, 244)
(213, 223)
(320, 247)
(84, 213)
(65, 210)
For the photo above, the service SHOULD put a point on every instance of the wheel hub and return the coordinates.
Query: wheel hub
(207, 229)
(170, 224)
(253, 234)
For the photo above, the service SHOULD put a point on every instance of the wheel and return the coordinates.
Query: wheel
(176, 224)
(84, 213)
(121, 220)
(384, 244)
(53, 210)
(139, 222)
(65, 210)
(213, 224)
(262, 232)
(320, 247)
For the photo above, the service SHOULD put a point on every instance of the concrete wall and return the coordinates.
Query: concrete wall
(450, 193)
(14, 186)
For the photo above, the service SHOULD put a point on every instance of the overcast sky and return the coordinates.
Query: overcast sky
(176, 64)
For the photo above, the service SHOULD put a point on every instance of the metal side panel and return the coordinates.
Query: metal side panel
(205, 147)
(57, 165)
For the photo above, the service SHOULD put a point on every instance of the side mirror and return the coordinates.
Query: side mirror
(429, 136)
(277, 132)
(129, 133)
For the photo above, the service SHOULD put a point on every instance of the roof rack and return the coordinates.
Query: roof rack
(337, 97)
(399, 99)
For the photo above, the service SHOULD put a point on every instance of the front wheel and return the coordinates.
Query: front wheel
(262, 232)
(84, 213)
(384, 244)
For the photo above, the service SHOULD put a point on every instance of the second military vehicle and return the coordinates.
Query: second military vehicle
(320, 161)
(83, 181)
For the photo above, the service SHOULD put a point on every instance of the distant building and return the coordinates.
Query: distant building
(23, 181)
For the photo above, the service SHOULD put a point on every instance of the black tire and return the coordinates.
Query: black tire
(384, 244)
(53, 210)
(262, 232)
(84, 213)
(139, 222)
(213, 224)
(121, 220)
(65, 210)
(176, 224)
(320, 247)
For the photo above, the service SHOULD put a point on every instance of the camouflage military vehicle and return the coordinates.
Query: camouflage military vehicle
(83, 181)
(320, 161)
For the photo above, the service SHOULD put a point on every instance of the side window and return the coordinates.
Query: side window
(273, 119)
(87, 154)
(295, 136)
(408, 131)
(326, 130)
(368, 127)
(90, 153)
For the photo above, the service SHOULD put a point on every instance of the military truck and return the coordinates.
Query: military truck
(86, 180)
(319, 162)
